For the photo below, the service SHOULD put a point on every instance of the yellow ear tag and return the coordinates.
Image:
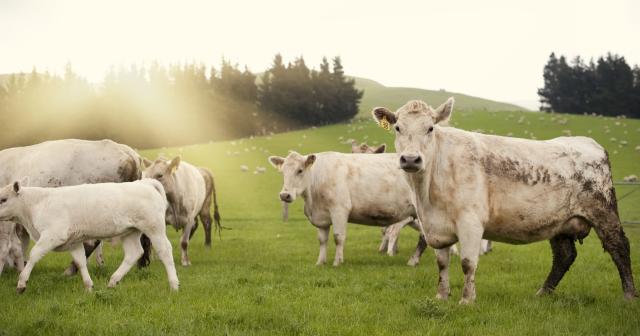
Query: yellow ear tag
(384, 123)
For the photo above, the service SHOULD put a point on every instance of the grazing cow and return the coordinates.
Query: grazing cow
(337, 189)
(506, 189)
(61, 219)
(69, 162)
(189, 192)
(10, 247)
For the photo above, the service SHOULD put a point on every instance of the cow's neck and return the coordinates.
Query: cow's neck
(30, 199)
(422, 182)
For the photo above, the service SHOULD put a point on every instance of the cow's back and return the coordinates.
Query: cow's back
(70, 162)
(370, 186)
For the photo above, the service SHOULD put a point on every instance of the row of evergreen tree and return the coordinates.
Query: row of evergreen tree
(608, 86)
(157, 105)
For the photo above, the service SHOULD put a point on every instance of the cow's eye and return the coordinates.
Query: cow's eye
(398, 129)
(159, 176)
(299, 171)
(3, 200)
(430, 130)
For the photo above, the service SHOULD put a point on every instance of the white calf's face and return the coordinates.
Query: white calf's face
(9, 201)
(295, 170)
(414, 125)
(163, 171)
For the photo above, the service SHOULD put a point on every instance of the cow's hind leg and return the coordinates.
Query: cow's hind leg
(80, 261)
(615, 242)
(564, 253)
(470, 236)
(184, 243)
(323, 237)
(163, 248)
(132, 251)
(205, 218)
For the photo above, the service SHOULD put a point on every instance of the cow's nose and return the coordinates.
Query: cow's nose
(285, 197)
(410, 162)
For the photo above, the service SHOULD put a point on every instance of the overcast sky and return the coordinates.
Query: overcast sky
(491, 48)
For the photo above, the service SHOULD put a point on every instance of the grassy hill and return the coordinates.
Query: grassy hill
(261, 279)
(376, 94)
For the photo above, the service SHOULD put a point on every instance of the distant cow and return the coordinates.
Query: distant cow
(469, 185)
(363, 148)
(69, 162)
(190, 191)
(337, 188)
(62, 218)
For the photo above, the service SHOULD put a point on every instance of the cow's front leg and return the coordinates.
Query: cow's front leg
(43, 246)
(184, 243)
(339, 221)
(470, 237)
(323, 237)
(442, 256)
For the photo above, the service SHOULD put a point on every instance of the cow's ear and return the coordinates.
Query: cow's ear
(443, 112)
(146, 162)
(311, 158)
(276, 161)
(173, 165)
(384, 117)
(380, 149)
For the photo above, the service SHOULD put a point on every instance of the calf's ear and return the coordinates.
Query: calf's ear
(173, 165)
(384, 117)
(443, 112)
(16, 187)
(380, 149)
(311, 158)
(276, 161)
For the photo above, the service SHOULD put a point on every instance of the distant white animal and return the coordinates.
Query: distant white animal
(62, 218)
(631, 178)
(244, 168)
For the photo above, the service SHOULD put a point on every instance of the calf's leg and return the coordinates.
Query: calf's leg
(564, 253)
(385, 240)
(323, 237)
(80, 260)
(163, 248)
(132, 251)
(420, 247)
(43, 246)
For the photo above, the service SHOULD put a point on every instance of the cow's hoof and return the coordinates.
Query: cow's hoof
(337, 263)
(320, 263)
(413, 262)
(174, 286)
(544, 291)
(442, 296)
(20, 290)
(630, 296)
(69, 272)
(466, 301)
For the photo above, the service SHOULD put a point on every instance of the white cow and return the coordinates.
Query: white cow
(62, 218)
(69, 162)
(10, 247)
(337, 188)
(469, 185)
(190, 191)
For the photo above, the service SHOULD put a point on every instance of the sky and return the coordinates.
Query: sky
(493, 49)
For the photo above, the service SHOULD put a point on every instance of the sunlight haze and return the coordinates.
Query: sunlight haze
(491, 49)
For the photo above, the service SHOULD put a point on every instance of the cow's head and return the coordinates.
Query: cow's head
(414, 125)
(295, 169)
(363, 148)
(10, 204)
(164, 171)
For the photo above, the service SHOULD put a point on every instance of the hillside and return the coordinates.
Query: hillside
(376, 94)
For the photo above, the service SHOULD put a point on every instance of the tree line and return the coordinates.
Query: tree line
(608, 86)
(156, 105)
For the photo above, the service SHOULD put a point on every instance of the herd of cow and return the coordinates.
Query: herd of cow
(449, 184)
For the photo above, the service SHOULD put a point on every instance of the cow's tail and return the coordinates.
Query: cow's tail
(216, 212)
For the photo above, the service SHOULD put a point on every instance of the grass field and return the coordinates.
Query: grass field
(261, 278)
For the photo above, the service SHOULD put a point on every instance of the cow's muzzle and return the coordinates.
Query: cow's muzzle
(286, 197)
(410, 163)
